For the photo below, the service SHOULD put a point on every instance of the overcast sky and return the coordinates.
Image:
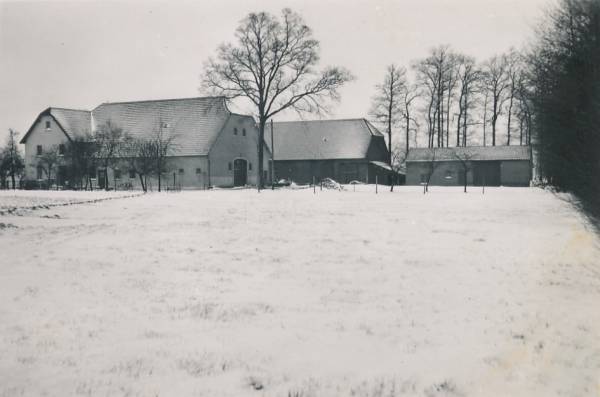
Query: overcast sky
(79, 54)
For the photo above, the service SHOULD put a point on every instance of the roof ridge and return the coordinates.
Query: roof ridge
(75, 110)
(320, 120)
(160, 100)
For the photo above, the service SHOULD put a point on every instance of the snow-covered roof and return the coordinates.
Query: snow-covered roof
(74, 122)
(195, 122)
(472, 153)
(321, 139)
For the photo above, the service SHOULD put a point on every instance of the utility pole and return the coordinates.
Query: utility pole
(272, 158)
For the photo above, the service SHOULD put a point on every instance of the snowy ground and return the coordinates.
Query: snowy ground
(16, 200)
(290, 293)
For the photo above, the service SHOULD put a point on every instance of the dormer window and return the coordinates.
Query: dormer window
(47, 124)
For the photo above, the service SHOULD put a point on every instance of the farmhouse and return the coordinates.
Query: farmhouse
(211, 145)
(481, 165)
(344, 150)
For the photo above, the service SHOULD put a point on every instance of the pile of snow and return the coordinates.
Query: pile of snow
(291, 293)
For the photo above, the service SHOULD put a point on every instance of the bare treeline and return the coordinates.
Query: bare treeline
(453, 100)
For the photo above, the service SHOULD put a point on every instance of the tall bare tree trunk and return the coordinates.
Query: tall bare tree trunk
(464, 142)
(261, 137)
(510, 105)
(485, 117)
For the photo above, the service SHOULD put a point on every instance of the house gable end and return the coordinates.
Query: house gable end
(46, 112)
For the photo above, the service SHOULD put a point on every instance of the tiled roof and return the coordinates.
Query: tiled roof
(76, 123)
(194, 122)
(473, 153)
(321, 139)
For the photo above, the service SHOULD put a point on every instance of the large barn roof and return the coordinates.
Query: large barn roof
(473, 153)
(321, 139)
(194, 122)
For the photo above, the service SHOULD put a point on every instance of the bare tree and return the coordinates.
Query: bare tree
(12, 163)
(387, 106)
(140, 157)
(485, 112)
(273, 66)
(432, 165)
(464, 159)
(427, 81)
(451, 79)
(525, 108)
(514, 72)
(410, 95)
(436, 76)
(469, 76)
(496, 82)
(48, 161)
(81, 152)
(109, 139)
(162, 144)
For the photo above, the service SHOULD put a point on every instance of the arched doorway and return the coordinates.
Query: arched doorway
(240, 172)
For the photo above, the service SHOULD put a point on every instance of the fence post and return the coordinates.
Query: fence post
(314, 186)
(375, 184)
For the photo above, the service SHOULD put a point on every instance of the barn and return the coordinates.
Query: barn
(480, 165)
(212, 146)
(344, 150)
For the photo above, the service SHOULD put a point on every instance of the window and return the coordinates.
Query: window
(61, 149)
(229, 166)
(47, 124)
(181, 171)
(198, 170)
(117, 174)
(235, 131)
(131, 174)
(249, 166)
(39, 150)
(243, 132)
(165, 125)
(40, 172)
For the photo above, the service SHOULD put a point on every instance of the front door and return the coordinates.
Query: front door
(101, 179)
(240, 172)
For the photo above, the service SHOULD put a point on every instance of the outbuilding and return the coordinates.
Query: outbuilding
(479, 165)
(345, 150)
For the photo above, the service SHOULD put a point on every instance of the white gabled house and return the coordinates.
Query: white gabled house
(212, 145)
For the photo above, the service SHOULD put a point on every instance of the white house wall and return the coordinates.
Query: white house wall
(47, 138)
(229, 147)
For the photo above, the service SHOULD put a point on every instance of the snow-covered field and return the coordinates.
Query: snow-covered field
(290, 293)
(14, 200)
